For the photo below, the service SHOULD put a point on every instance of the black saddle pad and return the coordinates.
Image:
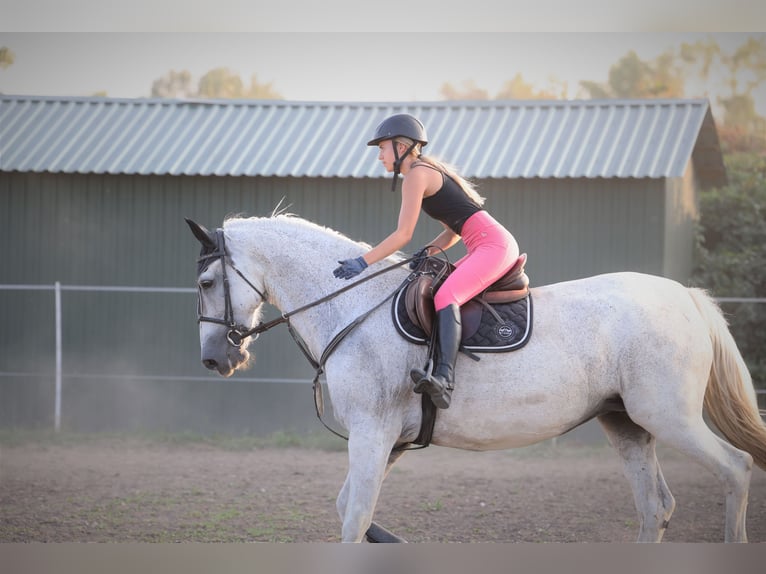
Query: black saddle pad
(506, 327)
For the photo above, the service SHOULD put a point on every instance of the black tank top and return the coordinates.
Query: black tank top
(450, 205)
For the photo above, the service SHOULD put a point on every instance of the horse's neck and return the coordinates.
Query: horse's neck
(299, 287)
(296, 260)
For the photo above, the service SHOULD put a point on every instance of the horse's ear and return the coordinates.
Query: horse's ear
(202, 234)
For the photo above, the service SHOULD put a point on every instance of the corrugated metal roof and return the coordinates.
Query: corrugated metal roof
(485, 139)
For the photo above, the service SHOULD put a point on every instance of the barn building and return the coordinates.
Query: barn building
(94, 191)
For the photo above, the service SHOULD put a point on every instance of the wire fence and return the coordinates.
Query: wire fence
(58, 374)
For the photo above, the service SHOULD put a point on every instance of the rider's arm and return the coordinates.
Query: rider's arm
(444, 240)
(413, 187)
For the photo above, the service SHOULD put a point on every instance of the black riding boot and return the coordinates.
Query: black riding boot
(442, 380)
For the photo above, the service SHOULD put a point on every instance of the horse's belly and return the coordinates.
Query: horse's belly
(515, 426)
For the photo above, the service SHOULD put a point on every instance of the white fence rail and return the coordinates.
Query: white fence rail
(57, 288)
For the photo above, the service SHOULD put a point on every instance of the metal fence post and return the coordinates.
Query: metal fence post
(57, 413)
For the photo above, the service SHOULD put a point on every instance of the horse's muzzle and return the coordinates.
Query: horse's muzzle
(225, 362)
(211, 364)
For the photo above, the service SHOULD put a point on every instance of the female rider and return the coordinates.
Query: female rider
(437, 189)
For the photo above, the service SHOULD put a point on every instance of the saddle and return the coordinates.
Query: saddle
(419, 294)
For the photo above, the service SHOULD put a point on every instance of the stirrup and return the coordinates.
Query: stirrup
(441, 394)
(419, 375)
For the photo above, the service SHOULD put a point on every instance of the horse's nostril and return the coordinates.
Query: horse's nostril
(210, 363)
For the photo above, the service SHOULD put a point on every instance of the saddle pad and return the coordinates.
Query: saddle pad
(482, 331)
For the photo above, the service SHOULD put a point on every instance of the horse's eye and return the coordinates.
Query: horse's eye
(206, 283)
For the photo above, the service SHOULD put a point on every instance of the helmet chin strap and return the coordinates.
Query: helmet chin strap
(398, 161)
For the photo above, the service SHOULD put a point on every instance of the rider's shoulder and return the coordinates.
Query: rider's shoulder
(425, 164)
(424, 169)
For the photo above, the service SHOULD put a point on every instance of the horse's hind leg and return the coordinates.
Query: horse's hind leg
(651, 494)
(731, 466)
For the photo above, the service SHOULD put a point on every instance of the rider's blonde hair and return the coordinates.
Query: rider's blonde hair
(445, 168)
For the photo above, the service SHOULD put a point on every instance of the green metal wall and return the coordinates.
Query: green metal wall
(582, 227)
(129, 231)
(681, 216)
(124, 230)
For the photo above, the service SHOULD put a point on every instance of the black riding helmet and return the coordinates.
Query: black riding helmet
(400, 125)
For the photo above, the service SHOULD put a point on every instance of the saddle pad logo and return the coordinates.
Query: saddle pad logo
(505, 331)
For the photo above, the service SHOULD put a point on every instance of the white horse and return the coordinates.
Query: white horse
(642, 354)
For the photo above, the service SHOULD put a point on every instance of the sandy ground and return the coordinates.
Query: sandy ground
(142, 491)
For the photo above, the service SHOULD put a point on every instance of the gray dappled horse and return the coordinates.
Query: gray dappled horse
(642, 354)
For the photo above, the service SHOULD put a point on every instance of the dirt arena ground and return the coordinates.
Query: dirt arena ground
(125, 490)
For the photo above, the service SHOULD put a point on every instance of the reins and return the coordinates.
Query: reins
(237, 334)
(285, 317)
(318, 364)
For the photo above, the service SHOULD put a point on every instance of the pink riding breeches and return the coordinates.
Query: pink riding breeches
(492, 251)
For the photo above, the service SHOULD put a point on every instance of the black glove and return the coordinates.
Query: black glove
(350, 268)
(418, 257)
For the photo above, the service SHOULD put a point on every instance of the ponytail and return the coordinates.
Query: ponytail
(449, 170)
(445, 168)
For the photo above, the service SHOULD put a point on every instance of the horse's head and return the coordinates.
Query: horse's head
(228, 303)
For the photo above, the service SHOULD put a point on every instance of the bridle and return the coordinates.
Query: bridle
(237, 332)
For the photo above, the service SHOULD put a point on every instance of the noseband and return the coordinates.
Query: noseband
(237, 332)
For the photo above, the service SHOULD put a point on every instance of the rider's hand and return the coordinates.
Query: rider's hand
(350, 268)
(418, 257)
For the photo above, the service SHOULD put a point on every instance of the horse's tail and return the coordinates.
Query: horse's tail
(730, 399)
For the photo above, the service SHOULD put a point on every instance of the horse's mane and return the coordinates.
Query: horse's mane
(286, 222)
(298, 228)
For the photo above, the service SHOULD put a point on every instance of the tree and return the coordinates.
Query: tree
(219, 83)
(519, 89)
(516, 88)
(261, 91)
(469, 91)
(731, 253)
(743, 71)
(174, 85)
(6, 57)
(632, 77)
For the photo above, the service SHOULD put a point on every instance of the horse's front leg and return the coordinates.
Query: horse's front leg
(342, 500)
(368, 458)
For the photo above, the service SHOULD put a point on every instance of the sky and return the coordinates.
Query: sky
(121, 54)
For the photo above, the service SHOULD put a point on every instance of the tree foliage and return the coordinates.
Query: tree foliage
(516, 88)
(467, 91)
(519, 89)
(731, 253)
(218, 83)
(632, 77)
(743, 71)
(174, 85)
(6, 57)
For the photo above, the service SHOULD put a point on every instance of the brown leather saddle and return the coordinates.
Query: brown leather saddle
(419, 294)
